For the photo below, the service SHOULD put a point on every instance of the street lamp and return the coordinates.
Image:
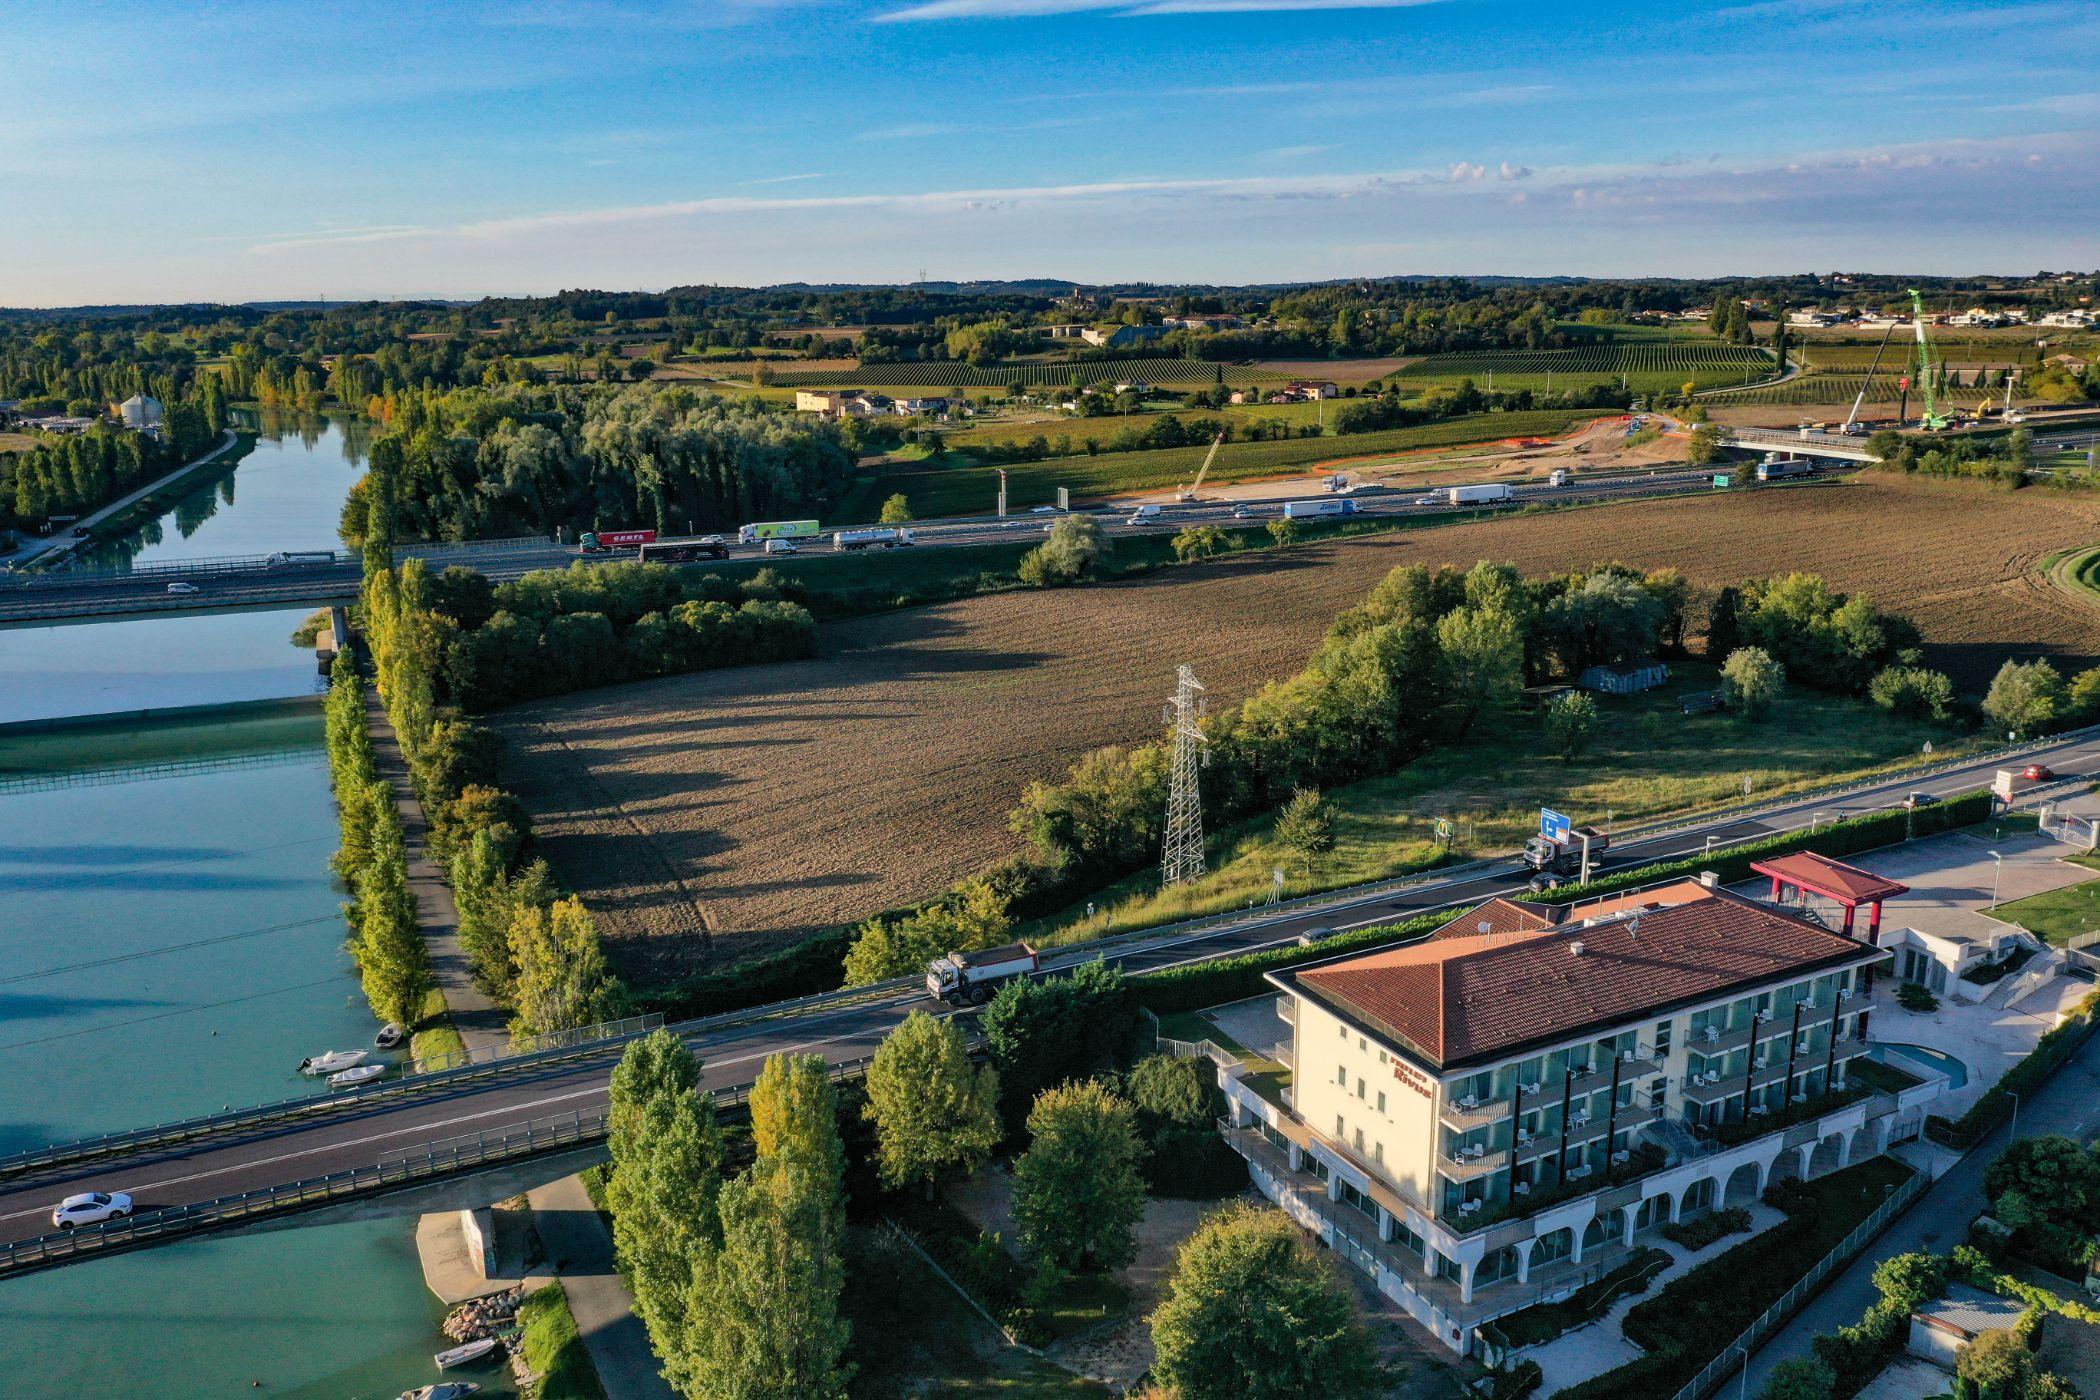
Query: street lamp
(2015, 1134)
(1743, 1387)
(1997, 869)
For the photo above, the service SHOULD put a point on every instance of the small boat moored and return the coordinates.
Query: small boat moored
(443, 1390)
(465, 1352)
(363, 1074)
(390, 1035)
(328, 1062)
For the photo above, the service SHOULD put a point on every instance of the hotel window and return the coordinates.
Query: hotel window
(1378, 1153)
(1381, 1100)
(1359, 1086)
(1341, 1075)
(1339, 1131)
(1359, 1139)
(1662, 1037)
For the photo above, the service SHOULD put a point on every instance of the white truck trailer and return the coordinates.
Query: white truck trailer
(1309, 510)
(971, 979)
(885, 538)
(1491, 493)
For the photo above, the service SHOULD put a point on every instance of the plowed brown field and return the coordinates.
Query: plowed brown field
(764, 802)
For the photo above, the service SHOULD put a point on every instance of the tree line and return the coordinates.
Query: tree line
(82, 472)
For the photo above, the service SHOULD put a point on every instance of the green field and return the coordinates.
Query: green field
(1102, 429)
(1902, 351)
(1646, 366)
(1819, 387)
(973, 490)
(1650, 761)
(2059, 915)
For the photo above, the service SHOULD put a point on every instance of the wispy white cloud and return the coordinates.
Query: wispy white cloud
(787, 179)
(1037, 9)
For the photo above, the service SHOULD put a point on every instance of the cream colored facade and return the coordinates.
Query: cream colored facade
(1473, 1190)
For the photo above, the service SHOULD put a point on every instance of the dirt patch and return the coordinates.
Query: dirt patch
(782, 799)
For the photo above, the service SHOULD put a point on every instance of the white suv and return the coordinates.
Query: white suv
(91, 1208)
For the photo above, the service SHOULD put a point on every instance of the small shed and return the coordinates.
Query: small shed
(1941, 1328)
(1631, 678)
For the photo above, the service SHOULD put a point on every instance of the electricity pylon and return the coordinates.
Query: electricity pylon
(1181, 860)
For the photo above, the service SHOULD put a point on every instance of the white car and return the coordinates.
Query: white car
(91, 1208)
(182, 588)
(1426, 500)
(1239, 512)
(1044, 510)
(781, 547)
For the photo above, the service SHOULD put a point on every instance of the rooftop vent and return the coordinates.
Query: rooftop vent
(1576, 947)
(1710, 878)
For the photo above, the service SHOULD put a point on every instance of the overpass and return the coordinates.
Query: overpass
(1835, 447)
(325, 576)
(423, 1142)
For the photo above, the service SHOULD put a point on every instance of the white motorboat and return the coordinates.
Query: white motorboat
(390, 1035)
(443, 1390)
(328, 1062)
(465, 1352)
(363, 1074)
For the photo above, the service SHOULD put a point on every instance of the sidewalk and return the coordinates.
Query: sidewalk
(578, 1245)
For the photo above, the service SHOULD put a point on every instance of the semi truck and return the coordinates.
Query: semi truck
(971, 979)
(1308, 510)
(685, 551)
(1780, 468)
(605, 541)
(1491, 493)
(1558, 478)
(777, 530)
(886, 538)
(1555, 857)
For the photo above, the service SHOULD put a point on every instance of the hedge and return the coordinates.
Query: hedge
(1195, 985)
(809, 967)
(2048, 1054)
(1842, 838)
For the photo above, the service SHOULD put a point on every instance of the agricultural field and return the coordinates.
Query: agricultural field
(964, 490)
(952, 374)
(1821, 387)
(1646, 366)
(764, 802)
(1903, 351)
(1078, 430)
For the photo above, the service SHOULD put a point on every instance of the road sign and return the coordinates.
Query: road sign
(1553, 826)
(1443, 830)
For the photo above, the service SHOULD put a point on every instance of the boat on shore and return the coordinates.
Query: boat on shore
(362, 1074)
(465, 1352)
(443, 1390)
(390, 1035)
(330, 1061)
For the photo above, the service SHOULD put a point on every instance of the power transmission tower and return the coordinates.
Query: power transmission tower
(1182, 858)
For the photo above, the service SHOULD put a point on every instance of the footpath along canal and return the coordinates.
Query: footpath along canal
(170, 943)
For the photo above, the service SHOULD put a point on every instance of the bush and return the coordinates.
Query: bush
(1195, 985)
(1913, 996)
(1543, 1322)
(1701, 1231)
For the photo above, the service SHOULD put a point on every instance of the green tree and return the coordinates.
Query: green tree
(1754, 681)
(1075, 547)
(1800, 1380)
(1284, 532)
(2082, 697)
(2045, 1180)
(1252, 1313)
(1571, 723)
(1078, 1193)
(1173, 1091)
(1909, 1281)
(1703, 447)
(934, 1111)
(1483, 651)
(665, 1178)
(388, 944)
(1913, 692)
(1198, 542)
(563, 981)
(970, 916)
(896, 510)
(1044, 1031)
(2025, 697)
(482, 893)
(1305, 826)
(1996, 1364)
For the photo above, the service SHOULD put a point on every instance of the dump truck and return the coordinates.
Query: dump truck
(1489, 493)
(971, 979)
(1551, 856)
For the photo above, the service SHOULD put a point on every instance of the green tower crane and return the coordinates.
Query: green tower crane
(1928, 369)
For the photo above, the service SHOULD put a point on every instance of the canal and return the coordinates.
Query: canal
(171, 943)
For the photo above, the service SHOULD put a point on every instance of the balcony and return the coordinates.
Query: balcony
(1698, 1091)
(1472, 1164)
(1627, 1119)
(1461, 1116)
(1720, 1043)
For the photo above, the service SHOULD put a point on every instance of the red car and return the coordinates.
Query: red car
(2039, 773)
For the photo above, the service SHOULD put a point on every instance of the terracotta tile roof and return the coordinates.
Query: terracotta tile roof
(1455, 998)
(1501, 915)
(1830, 877)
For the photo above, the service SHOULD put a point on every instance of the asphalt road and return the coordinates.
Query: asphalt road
(32, 598)
(842, 1029)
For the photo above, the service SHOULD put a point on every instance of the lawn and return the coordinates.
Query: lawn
(2058, 916)
(1649, 762)
(554, 1349)
(972, 490)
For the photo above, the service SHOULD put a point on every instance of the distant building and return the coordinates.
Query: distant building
(1203, 323)
(843, 403)
(1941, 1328)
(1119, 336)
(1814, 318)
(141, 413)
(1070, 330)
(2076, 319)
(1629, 679)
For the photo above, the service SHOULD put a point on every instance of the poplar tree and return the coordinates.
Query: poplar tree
(934, 1111)
(562, 980)
(664, 1184)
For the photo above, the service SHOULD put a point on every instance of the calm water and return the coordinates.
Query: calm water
(170, 943)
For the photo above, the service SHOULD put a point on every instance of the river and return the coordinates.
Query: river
(171, 943)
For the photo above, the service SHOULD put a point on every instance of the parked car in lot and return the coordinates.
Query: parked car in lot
(91, 1208)
(182, 588)
(2039, 773)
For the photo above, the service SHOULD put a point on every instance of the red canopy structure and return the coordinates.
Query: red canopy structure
(1848, 885)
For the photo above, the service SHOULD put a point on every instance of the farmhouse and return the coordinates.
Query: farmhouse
(2076, 319)
(1202, 323)
(843, 403)
(1119, 336)
(1484, 1118)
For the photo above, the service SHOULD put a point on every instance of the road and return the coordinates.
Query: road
(35, 548)
(843, 1027)
(213, 585)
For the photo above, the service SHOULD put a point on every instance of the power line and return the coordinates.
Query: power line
(1181, 860)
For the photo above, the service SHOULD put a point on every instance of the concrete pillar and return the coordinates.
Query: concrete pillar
(1465, 1281)
(1632, 1213)
(479, 1229)
(1874, 924)
(1677, 1200)
(1297, 1155)
(1575, 1235)
(1524, 1260)
(1385, 1225)
(1803, 1155)
(1334, 1186)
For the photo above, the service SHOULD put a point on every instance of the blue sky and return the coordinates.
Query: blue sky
(229, 151)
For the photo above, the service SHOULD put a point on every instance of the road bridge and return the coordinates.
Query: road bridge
(408, 1136)
(287, 580)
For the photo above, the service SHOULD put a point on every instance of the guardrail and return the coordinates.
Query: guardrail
(1737, 1353)
(626, 1028)
(578, 1044)
(438, 1159)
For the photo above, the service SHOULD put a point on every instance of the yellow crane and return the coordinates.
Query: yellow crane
(1197, 485)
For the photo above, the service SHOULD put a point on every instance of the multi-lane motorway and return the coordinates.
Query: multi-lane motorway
(845, 1027)
(51, 597)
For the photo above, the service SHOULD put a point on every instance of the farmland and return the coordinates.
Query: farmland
(964, 490)
(1646, 366)
(1818, 387)
(767, 801)
(951, 374)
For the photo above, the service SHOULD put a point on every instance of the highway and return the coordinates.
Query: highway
(846, 1026)
(210, 585)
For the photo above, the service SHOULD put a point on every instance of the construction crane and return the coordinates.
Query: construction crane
(2009, 413)
(1931, 418)
(1852, 418)
(1197, 485)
